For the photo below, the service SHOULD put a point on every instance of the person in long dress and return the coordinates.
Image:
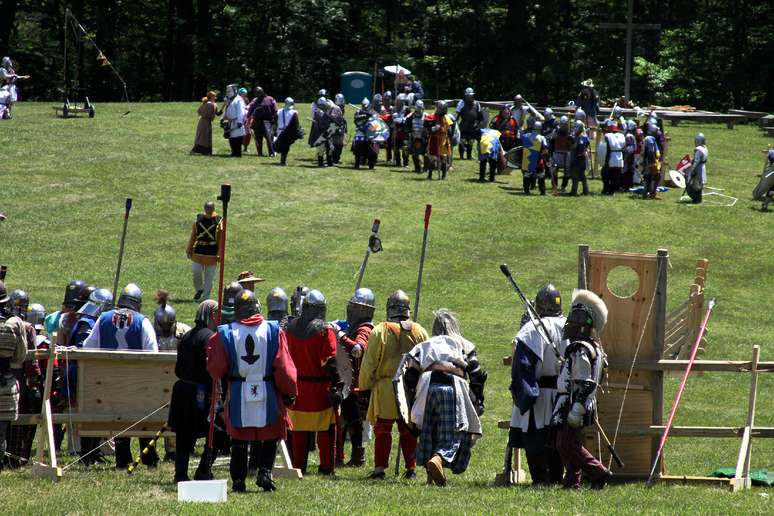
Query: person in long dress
(208, 110)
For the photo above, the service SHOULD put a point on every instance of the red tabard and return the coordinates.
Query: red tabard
(309, 355)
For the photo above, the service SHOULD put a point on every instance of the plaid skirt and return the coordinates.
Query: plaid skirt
(438, 435)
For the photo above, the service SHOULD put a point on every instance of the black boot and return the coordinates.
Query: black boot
(181, 467)
(284, 159)
(443, 171)
(264, 480)
(481, 171)
(329, 159)
(468, 150)
(320, 162)
(462, 150)
(430, 172)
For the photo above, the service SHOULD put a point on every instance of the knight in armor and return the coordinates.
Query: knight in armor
(697, 176)
(262, 110)
(288, 128)
(365, 150)
(610, 155)
(400, 131)
(579, 377)
(415, 122)
(8, 80)
(13, 349)
(651, 162)
(580, 155)
(312, 346)
(508, 128)
(340, 134)
(446, 406)
(387, 343)
(471, 119)
(125, 329)
(253, 354)
(352, 343)
(28, 376)
(534, 371)
(191, 394)
(438, 144)
(629, 156)
(100, 300)
(560, 145)
(234, 118)
(204, 250)
(534, 159)
(328, 123)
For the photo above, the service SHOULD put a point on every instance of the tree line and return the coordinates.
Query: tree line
(713, 54)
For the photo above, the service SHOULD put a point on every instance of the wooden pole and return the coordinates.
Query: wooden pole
(659, 330)
(583, 266)
(46, 429)
(629, 27)
(742, 474)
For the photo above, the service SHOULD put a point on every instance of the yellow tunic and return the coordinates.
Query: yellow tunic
(386, 344)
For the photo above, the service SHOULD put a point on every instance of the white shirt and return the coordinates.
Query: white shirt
(617, 143)
(235, 113)
(284, 117)
(148, 338)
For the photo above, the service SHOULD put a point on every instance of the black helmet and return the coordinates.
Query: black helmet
(85, 294)
(230, 294)
(19, 301)
(548, 301)
(72, 291)
(245, 305)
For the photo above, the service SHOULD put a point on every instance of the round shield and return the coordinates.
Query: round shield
(377, 130)
(677, 178)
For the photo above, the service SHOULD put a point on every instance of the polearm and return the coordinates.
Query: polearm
(127, 209)
(374, 246)
(679, 396)
(145, 451)
(428, 211)
(531, 312)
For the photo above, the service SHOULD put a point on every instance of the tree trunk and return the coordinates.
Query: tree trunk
(8, 10)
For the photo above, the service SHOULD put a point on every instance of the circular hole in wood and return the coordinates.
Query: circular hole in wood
(623, 282)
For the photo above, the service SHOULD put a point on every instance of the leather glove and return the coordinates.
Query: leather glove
(357, 351)
(334, 396)
(575, 417)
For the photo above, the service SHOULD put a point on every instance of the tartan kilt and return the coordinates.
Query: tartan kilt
(438, 435)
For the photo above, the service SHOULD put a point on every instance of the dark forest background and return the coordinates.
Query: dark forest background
(710, 54)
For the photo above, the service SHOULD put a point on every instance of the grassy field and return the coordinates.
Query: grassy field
(63, 189)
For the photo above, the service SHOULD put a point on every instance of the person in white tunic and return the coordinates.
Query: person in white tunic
(610, 155)
(235, 116)
(537, 357)
(697, 177)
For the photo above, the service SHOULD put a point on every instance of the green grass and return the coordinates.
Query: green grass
(63, 189)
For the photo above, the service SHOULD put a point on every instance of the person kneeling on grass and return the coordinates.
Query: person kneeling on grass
(446, 408)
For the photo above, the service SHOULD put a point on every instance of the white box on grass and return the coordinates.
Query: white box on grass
(202, 491)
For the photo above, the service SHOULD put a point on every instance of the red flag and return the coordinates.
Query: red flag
(683, 163)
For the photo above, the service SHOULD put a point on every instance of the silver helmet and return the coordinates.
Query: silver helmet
(231, 91)
(398, 306)
(339, 100)
(277, 300)
(314, 306)
(361, 307)
(537, 126)
(388, 94)
(6, 63)
(549, 113)
(36, 314)
(580, 115)
(19, 300)
(165, 320)
(289, 102)
(322, 93)
(617, 111)
(631, 126)
(419, 104)
(365, 103)
(99, 301)
(130, 297)
(700, 140)
(469, 92)
(563, 120)
(322, 103)
(440, 107)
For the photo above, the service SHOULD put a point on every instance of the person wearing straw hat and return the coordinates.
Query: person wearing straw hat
(248, 279)
(588, 101)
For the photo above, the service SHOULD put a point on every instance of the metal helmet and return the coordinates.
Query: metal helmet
(365, 103)
(518, 99)
(631, 126)
(700, 140)
(340, 100)
(314, 306)
(440, 107)
(258, 92)
(242, 91)
(3, 293)
(289, 102)
(388, 94)
(537, 126)
(85, 294)
(165, 320)
(36, 315)
(230, 294)
(6, 63)
(469, 92)
(19, 301)
(322, 93)
(549, 113)
(579, 126)
(617, 111)
(71, 293)
(361, 307)
(398, 306)
(548, 301)
(277, 300)
(563, 120)
(131, 298)
(322, 102)
(245, 305)
(652, 129)
(99, 301)
(580, 114)
(231, 91)
(420, 104)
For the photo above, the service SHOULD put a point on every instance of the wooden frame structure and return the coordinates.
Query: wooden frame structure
(118, 392)
(682, 326)
(642, 318)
